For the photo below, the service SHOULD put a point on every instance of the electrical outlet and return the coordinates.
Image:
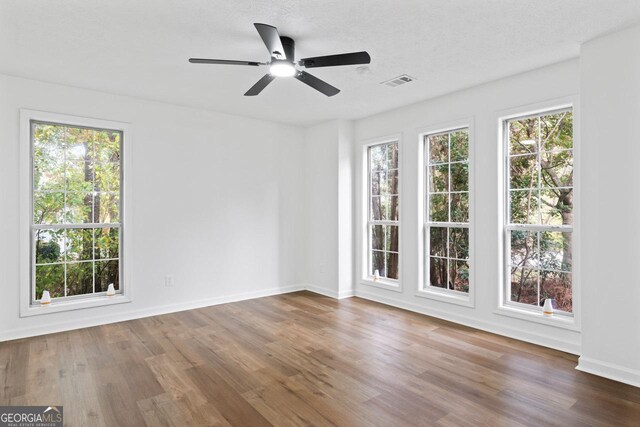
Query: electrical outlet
(168, 281)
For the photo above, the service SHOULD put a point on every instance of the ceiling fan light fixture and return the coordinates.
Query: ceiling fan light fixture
(282, 69)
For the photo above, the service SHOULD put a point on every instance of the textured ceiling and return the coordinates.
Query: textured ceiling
(140, 47)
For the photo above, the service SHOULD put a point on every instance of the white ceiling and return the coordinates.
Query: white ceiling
(140, 47)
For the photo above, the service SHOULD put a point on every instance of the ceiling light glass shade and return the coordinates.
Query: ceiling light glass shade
(282, 69)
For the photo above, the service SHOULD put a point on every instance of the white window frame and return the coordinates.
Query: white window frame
(570, 321)
(424, 289)
(364, 238)
(27, 306)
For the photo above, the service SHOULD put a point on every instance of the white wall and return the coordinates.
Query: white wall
(328, 219)
(483, 105)
(610, 93)
(346, 203)
(216, 204)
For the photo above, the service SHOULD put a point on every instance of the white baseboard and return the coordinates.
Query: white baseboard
(495, 328)
(50, 328)
(329, 292)
(609, 370)
(347, 294)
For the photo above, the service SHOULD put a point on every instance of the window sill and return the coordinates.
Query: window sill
(392, 285)
(450, 297)
(557, 321)
(57, 307)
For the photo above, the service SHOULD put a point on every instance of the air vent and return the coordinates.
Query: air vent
(397, 81)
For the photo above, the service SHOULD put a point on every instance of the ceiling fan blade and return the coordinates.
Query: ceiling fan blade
(271, 39)
(262, 83)
(334, 60)
(224, 62)
(317, 84)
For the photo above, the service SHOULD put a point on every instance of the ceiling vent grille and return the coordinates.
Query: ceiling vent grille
(397, 81)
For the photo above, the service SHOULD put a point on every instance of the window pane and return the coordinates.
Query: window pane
(107, 177)
(438, 241)
(439, 178)
(48, 173)
(79, 207)
(438, 148)
(557, 285)
(438, 272)
(79, 244)
(48, 208)
(392, 183)
(381, 207)
(523, 172)
(556, 168)
(459, 275)
(377, 263)
(524, 207)
(377, 237)
(459, 243)
(439, 207)
(555, 250)
(524, 249)
(79, 176)
(557, 206)
(48, 141)
(557, 131)
(459, 177)
(49, 246)
(107, 146)
(459, 207)
(50, 278)
(394, 208)
(107, 208)
(79, 278)
(378, 157)
(392, 155)
(523, 136)
(392, 265)
(378, 183)
(391, 241)
(107, 272)
(460, 145)
(79, 144)
(524, 286)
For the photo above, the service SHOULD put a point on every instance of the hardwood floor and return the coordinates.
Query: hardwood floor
(304, 359)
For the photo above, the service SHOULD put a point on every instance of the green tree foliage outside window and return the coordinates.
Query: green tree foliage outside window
(76, 209)
(540, 213)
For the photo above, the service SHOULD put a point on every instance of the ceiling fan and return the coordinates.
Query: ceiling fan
(283, 64)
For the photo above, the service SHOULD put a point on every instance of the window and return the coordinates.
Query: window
(76, 215)
(539, 213)
(447, 210)
(383, 216)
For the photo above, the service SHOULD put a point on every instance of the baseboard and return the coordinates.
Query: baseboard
(346, 294)
(494, 328)
(328, 292)
(51, 328)
(609, 370)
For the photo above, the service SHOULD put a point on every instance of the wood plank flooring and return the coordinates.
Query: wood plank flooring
(304, 359)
